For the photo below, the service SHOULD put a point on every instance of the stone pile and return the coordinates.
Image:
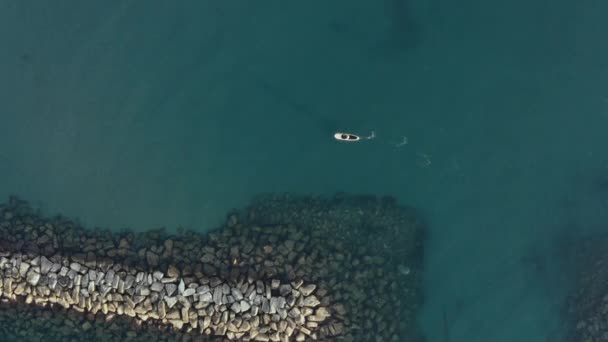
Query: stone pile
(247, 310)
(284, 269)
(366, 251)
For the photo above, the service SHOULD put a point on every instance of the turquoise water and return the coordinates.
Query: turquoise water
(147, 114)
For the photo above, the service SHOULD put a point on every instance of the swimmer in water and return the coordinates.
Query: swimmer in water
(352, 137)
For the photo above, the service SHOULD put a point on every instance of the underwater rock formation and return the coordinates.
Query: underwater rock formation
(284, 269)
(588, 301)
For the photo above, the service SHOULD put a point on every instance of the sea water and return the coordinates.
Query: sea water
(147, 114)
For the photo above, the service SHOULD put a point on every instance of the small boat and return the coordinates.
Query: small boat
(352, 137)
(346, 137)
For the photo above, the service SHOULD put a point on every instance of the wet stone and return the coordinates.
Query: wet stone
(306, 290)
(63, 281)
(157, 286)
(214, 282)
(75, 267)
(217, 295)
(236, 307)
(23, 268)
(171, 301)
(129, 280)
(206, 297)
(33, 278)
(236, 293)
(202, 289)
(172, 272)
(311, 301)
(244, 305)
(152, 258)
(45, 265)
(170, 288)
(285, 290)
(181, 287)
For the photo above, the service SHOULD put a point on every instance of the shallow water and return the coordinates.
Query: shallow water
(146, 114)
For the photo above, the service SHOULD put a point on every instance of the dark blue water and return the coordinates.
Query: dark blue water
(149, 113)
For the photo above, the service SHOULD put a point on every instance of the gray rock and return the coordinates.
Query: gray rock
(206, 297)
(214, 282)
(282, 313)
(236, 307)
(63, 281)
(188, 292)
(172, 272)
(45, 265)
(207, 258)
(129, 280)
(33, 277)
(306, 290)
(236, 293)
(171, 301)
(152, 258)
(202, 289)
(104, 289)
(311, 301)
(173, 315)
(206, 322)
(75, 266)
(157, 286)
(217, 295)
(285, 290)
(23, 268)
(167, 280)
(181, 287)
(244, 305)
(109, 278)
(52, 281)
(55, 268)
(322, 312)
(185, 315)
(259, 286)
(170, 288)
(281, 302)
(77, 280)
(139, 277)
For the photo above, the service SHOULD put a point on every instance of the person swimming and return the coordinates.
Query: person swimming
(349, 137)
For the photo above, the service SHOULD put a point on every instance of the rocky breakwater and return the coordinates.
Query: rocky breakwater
(283, 269)
(243, 310)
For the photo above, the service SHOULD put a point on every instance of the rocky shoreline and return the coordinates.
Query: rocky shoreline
(283, 269)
